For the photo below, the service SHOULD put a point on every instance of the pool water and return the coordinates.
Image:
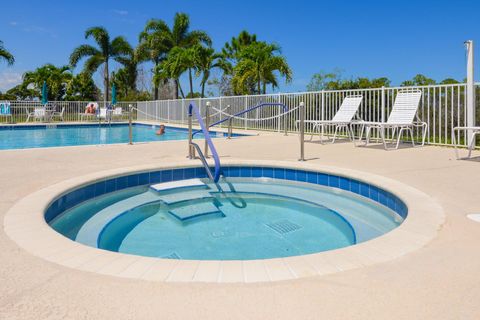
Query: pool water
(253, 218)
(42, 136)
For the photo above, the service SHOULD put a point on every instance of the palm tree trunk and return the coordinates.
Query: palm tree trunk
(180, 88)
(259, 87)
(155, 86)
(264, 87)
(191, 81)
(177, 84)
(106, 79)
(203, 89)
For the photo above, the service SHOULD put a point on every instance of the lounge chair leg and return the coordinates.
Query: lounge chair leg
(454, 140)
(382, 135)
(362, 128)
(350, 133)
(367, 135)
(424, 133)
(400, 133)
(335, 134)
(471, 145)
(411, 135)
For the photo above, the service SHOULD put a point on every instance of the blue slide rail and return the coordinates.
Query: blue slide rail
(192, 108)
(284, 107)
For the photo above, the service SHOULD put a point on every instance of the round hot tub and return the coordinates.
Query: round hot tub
(254, 212)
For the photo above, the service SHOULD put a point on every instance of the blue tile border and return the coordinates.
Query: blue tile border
(108, 185)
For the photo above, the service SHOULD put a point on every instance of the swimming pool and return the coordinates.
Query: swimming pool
(254, 213)
(42, 136)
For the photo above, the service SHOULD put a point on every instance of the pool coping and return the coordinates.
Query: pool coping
(24, 223)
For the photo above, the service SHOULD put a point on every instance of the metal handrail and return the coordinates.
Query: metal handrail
(216, 175)
(285, 109)
(203, 160)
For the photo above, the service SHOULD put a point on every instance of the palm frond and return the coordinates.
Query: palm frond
(83, 51)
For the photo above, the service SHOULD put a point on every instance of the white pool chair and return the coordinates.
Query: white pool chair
(471, 145)
(38, 114)
(119, 113)
(104, 114)
(403, 117)
(343, 118)
(58, 115)
(84, 115)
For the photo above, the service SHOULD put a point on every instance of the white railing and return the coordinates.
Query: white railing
(72, 110)
(442, 107)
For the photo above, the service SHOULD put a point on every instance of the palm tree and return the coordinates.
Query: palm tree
(178, 62)
(206, 59)
(178, 36)
(118, 47)
(259, 63)
(5, 55)
(57, 79)
(232, 49)
(151, 48)
(126, 77)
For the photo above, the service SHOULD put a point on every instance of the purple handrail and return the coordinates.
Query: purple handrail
(216, 175)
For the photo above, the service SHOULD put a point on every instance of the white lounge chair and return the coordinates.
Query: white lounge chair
(403, 117)
(119, 113)
(84, 115)
(471, 144)
(58, 115)
(38, 113)
(342, 119)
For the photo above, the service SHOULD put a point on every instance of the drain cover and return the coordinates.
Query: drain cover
(284, 226)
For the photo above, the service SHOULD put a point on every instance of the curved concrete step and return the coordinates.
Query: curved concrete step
(90, 231)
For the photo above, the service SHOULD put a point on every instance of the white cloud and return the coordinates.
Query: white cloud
(13, 23)
(121, 12)
(9, 80)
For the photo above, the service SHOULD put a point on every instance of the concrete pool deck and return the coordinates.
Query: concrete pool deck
(441, 280)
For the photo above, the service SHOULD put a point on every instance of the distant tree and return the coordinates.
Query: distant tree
(449, 81)
(22, 92)
(57, 79)
(334, 81)
(106, 50)
(320, 81)
(82, 88)
(418, 80)
(6, 55)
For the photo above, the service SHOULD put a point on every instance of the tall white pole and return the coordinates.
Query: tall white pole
(470, 89)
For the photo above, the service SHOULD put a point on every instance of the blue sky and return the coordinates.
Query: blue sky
(363, 38)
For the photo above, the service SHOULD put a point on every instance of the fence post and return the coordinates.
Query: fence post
(207, 124)
(245, 116)
(322, 108)
(470, 90)
(190, 148)
(285, 127)
(383, 104)
(130, 131)
(302, 132)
